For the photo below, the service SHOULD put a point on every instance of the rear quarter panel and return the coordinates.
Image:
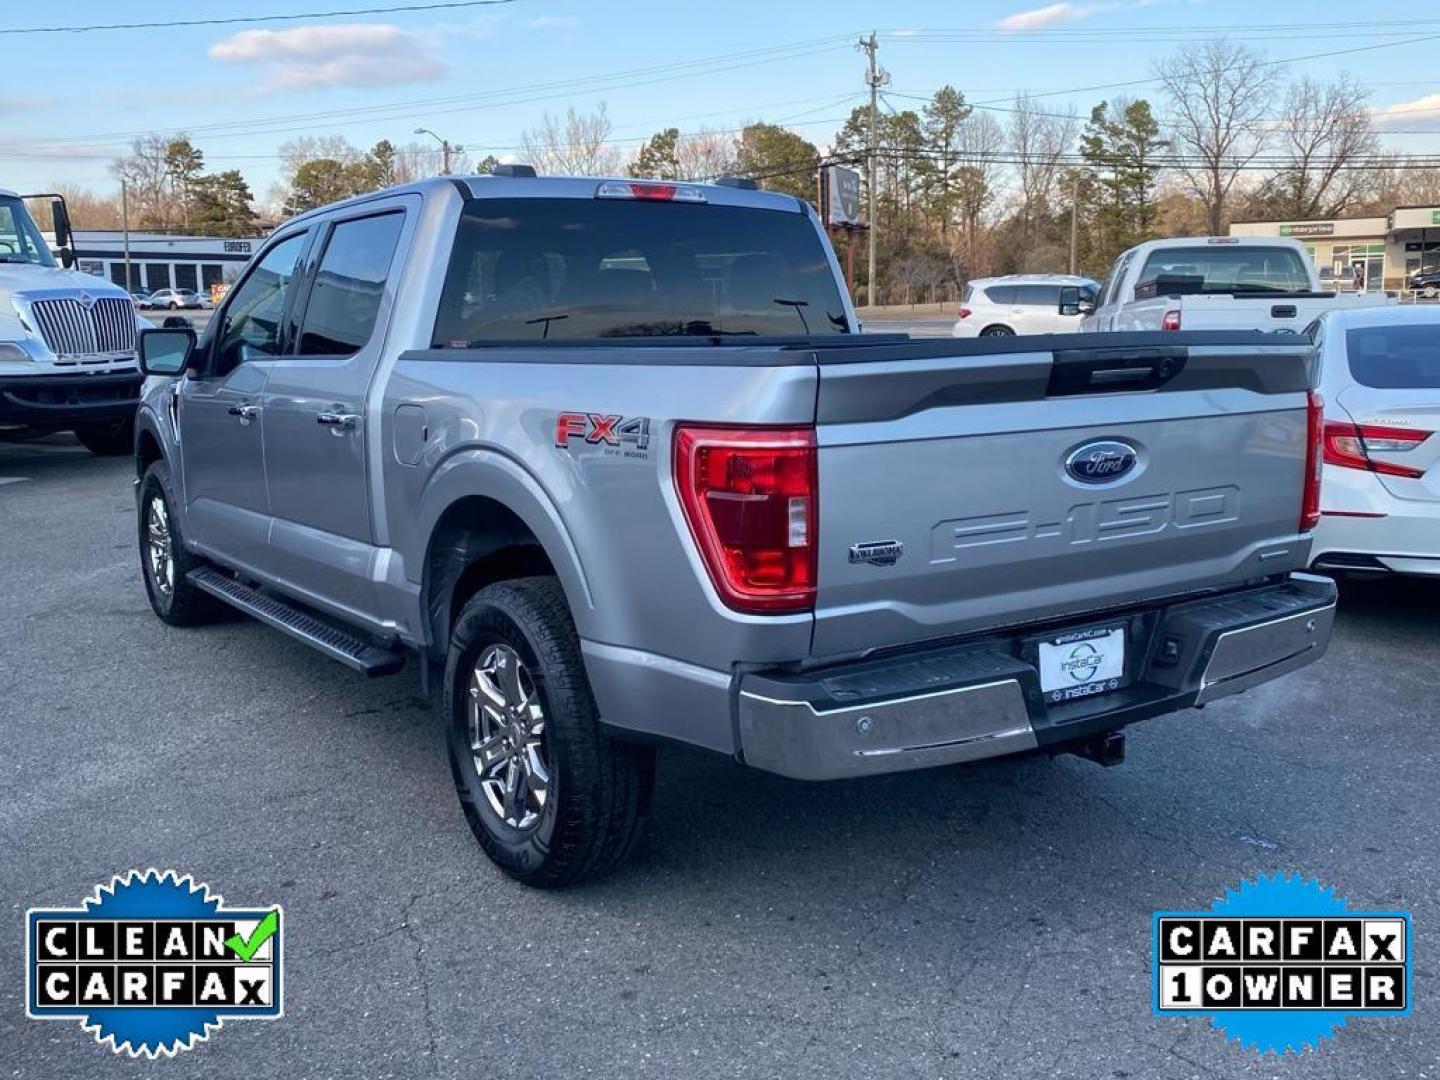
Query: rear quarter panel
(607, 515)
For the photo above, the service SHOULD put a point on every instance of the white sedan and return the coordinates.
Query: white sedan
(1380, 499)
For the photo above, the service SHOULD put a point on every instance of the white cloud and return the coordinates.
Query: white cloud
(1049, 15)
(555, 22)
(1421, 114)
(314, 57)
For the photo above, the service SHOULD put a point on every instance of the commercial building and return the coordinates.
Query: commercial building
(1368, 254)
(161, 261)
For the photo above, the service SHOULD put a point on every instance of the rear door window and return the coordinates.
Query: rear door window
(345, 299)
(1395, 357)
(1038, 295)
(576, 269)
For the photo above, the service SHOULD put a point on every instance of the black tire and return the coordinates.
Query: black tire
(997, 331)
(181, 604)
(109, 440)
(599, 788)
(174, 305)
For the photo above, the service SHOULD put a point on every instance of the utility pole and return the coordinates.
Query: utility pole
(1075, 224)
(125, 232)
(445, 147)
(875, 78)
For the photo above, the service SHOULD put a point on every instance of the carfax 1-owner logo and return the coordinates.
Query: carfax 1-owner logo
(1280, 963)
(153, 963)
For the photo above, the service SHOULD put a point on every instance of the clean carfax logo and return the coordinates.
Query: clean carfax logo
(1281, 963)
(152, 963)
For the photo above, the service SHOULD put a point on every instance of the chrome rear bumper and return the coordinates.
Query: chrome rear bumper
(944, 705)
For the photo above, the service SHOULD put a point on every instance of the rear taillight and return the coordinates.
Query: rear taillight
(1349, 446)
(749, 496)
(1310, 500)
(1170, 320)
(965, 313)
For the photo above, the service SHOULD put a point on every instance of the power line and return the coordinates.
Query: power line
(237, 20)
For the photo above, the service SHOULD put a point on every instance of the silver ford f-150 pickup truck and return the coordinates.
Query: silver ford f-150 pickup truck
(613, 454)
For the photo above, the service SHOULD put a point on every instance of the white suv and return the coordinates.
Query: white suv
(1025, 304)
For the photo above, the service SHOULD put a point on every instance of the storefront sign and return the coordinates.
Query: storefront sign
(1309, 228)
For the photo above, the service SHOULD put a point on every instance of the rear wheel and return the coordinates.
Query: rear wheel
(551, 798)
(997, 331)
(163, 558)
(108, 440)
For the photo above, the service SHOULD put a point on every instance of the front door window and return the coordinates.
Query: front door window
(254, 316)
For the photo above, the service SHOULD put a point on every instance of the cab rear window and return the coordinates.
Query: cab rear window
(1395, 357)
(1226, 269)
(577, 269)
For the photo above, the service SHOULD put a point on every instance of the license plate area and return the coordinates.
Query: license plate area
(1080, 663)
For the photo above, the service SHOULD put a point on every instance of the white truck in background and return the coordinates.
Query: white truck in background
(67, 339)
(1216, 283)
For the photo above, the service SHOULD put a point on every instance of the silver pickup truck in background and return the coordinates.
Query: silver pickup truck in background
(613, 454)
(1215, 283)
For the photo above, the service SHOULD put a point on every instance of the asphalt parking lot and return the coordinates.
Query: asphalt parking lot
(988, 921)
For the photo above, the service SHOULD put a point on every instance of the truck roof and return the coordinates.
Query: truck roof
(1218, 241)
(7, 191)
(567, 187)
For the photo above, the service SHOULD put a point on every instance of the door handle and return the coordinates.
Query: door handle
(346, 421)
(245, 412)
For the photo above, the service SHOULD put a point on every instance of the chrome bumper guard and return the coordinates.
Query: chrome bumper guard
(940, 706)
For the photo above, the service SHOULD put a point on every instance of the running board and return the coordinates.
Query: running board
(349, 649)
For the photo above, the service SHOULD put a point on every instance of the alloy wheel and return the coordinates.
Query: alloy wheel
(159, 547)
(507, 737)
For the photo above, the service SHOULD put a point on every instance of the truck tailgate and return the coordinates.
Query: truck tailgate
(970, 485)
(1278, 314)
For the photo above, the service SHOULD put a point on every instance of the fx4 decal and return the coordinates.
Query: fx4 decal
(598, 429)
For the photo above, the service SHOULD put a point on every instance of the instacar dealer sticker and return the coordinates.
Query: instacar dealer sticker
(152, 963)
(1280, 963)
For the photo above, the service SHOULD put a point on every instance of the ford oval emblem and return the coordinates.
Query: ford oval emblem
(1101, 462)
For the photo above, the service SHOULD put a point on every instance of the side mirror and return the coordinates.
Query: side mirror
(1086, 305)
(1070, 301)
(166, 351)
(63, 232)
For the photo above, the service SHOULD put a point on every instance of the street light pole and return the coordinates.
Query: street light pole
(445, 147)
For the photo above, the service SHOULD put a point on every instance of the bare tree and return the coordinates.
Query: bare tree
(705, 155)
(1324, 132)
(575, 145)
(981, 141)
(146, 174)
(1039, 141)
(88, 210)
(306, 148)
(1218, 94)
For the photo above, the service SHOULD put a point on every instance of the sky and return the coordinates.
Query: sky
(480, 76)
